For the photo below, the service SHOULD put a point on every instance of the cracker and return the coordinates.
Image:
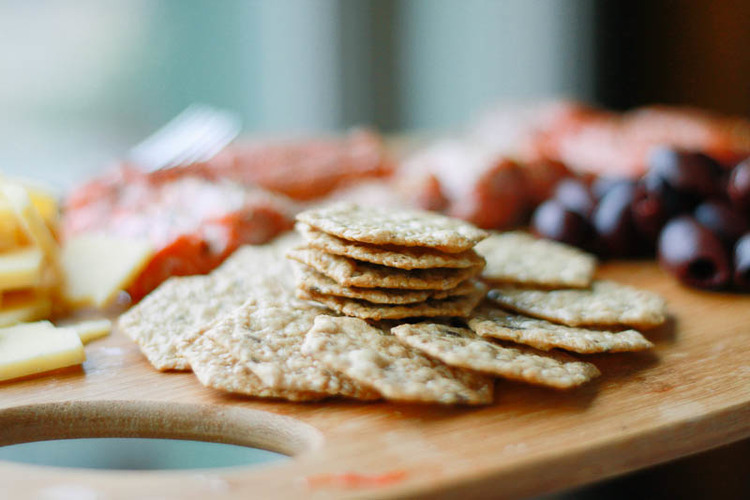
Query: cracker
(266, 337)
(605, 303)
(460, 306)
(312, 281)
(386, 226)
(462, 348)
(388, 255)
(181, 308)
(375, 358)
(519, 258)
(247, 257)
(490, 321)
(217, 369)
(353, 273)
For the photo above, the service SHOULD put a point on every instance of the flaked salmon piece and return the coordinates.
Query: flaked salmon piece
(592, 140)
(463, 180)
(302, 170)
(194, 223)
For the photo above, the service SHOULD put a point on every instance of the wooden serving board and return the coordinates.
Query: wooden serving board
(690, 394)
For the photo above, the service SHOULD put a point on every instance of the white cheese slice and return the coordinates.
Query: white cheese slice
(20, 268)
(92, 329)
(37, 347)
(96, 267)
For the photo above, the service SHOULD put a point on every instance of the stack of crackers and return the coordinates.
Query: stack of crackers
(244, 329)
(377, 263)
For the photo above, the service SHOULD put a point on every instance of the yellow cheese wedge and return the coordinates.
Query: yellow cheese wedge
(96, 267)
(36, 348)
(92, 329)
(31, 222)
(45, 203)
(9, 229)
(23, 306)
(20, 268)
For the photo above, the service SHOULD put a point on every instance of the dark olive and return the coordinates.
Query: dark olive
(687, 172)
(613, 222)
(552, 220)
(673, 201)
(574, 195)
(693, 254)
(742, 262)
(722, 220)
(651, 209)
(602, 185)
(738, 186)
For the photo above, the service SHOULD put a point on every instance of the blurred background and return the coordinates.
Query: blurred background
(81, 81)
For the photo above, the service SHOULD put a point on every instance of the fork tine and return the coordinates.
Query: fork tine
(192, 142)
(210, 138)
(155, 144)
(196, 134)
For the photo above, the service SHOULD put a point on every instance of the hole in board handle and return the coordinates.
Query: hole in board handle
(155, 420)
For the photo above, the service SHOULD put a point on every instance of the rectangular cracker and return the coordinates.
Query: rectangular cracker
(462, 348)
(489, 321)
(388, 255)
(311, 281)
(267, 336)
(375, 358)
(216, 368)
(181, 308)
(606, 303)
(353, 273)
(519, 258)
(459, 307)
(388, 226)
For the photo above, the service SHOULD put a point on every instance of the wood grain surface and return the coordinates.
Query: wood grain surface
(690, 394)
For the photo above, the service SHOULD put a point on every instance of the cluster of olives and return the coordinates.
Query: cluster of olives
(689, 209)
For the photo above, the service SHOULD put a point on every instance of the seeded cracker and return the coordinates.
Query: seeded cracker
(490, 321)
(266, 337)
(313, 282)
(605, 303)
(392, 256)
(217, 369)
(181, 308)
(460, 306)
(383, 226)
(519, 258)
(460, 347)
(373, 357)
(353, 273)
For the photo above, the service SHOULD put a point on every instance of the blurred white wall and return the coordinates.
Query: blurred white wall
(460, 57)
(82, 81)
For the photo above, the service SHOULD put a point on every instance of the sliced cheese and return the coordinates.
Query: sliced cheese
(45, 203)
(23, 306)
(31, 221)
(9, 230)
(92, 329)
(97, 267)
(37, 348)
(20, 268)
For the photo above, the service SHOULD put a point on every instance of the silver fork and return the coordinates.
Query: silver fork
(195, 135)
